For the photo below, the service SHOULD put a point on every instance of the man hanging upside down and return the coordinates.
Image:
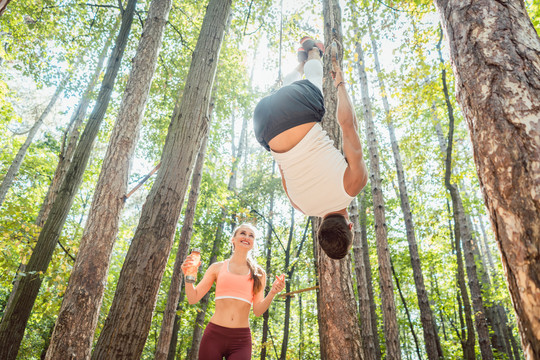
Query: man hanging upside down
(317, 178)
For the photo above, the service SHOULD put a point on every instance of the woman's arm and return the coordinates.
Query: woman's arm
(260, 305)
(195, 293)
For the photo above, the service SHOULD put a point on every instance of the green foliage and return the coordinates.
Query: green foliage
(44, 39)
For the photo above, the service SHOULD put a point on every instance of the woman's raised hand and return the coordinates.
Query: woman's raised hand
(278, 284)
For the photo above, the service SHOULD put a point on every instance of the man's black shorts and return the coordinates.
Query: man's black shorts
(298, 103)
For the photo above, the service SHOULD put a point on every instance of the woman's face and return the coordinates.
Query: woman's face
(244, 238)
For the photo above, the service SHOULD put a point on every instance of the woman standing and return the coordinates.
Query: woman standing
(240, 284)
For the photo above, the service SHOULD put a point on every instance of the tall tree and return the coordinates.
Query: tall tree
(338, 325)
(127, 325)
(286, 317)
(290, 269)
(268, 267)
(177, 280)
(494, 49)
(15, 318)
(385, 273)
(431, 337)
(78, 316)
(231, 187)
(460, 222)
(17, 161)
(72, 132)
(368, 333)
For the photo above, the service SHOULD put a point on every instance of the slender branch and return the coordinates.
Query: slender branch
(283, 296)
(247, 18)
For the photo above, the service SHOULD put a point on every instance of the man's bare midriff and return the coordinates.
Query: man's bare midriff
(289, 138)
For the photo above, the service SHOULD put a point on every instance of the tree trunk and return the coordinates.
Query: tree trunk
(406, 308)
(72, 134)
(16, 317)
(198, 326)
(369, 280)
(268, 268)
(177, 280)
(18, 160)
(431, 337)
(176, 327)
(385, 273)
(467, 340)
(494, 49)
(338, 319)
(126, 327)
(464, 231)
(3, 6)
(78, 316)
(290, 272)
(199, 321)
(366, 330)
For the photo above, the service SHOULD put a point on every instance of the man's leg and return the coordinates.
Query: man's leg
(313, 68)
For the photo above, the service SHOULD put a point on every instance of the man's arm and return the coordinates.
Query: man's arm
(356, 176)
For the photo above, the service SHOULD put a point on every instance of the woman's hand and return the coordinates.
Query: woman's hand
(278, 284)
(189, 263)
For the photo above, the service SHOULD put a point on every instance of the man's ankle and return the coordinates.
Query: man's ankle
(314, 54)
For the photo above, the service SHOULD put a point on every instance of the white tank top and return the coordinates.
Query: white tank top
(313, 171)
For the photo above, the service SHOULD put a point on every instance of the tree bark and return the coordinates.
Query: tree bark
(16, 317)
(268, 268)
(366, 329)
(369, 279)
(176, 327)
(464, 230)
(338, 320)
(18, 160)
(495, 50)
(290, 272)
(126, 328)
(3, 6)
(199, 321)
(78, 316)
(385, 273)
(431, 337)
(198, 326)
(177, 280)
(77, 319)
(406, 308)
(72, 134)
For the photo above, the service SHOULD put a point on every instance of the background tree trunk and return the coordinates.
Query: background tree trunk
(18, 160)
(369, 279)
(71, 136)
(460, 222)
(78, 316)
(286, 317)
(15, 318)
(177, 279)
(268, 268)
(494, 49)
(129, 319)
(431, 337)
(362, 285)
(338, 320)
(385, 273)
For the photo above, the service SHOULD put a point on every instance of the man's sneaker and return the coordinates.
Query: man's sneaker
(308, 44)
(301, 55)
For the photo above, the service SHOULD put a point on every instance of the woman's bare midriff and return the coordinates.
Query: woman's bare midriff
(289, 138)
(231, 313)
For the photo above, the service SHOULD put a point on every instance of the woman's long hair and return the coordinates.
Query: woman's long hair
(254, 268)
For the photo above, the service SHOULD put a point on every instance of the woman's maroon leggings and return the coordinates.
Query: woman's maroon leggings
(220, 342)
